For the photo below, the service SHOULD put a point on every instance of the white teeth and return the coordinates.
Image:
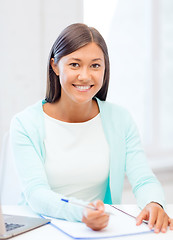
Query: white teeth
(83, 87)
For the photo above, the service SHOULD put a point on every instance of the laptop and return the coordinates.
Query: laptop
(11, 225)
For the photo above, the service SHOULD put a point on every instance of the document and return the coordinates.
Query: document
(119, 225)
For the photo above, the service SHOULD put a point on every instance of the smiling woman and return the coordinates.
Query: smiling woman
(81, 76)
(76, 145)
(69, 41)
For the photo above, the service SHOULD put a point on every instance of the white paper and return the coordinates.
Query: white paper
(120, 224)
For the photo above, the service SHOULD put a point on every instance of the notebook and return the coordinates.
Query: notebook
(120, 224)
(11, 225)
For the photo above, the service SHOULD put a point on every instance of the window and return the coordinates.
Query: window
(139, 35)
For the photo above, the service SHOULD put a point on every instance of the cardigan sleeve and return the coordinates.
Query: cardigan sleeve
(145, 185)
(35, 187)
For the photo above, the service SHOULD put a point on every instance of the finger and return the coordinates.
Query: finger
(97, 223)
(92, 214)
(95, 215)
(93, 225)
(104, 225)
(165, 224)
(102, 219)
(170, 223)
(159, 221)
(89, 213)
(152, 217)
(99, 205)
(142, 216)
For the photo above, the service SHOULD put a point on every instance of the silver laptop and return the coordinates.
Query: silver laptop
(11, 225)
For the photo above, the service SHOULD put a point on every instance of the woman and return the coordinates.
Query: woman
(74, 144)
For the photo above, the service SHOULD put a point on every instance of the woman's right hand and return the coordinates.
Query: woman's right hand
(96, 219)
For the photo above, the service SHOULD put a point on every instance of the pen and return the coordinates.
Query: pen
(83, 205)
(144, 221)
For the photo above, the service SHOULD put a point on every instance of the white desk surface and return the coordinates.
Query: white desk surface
(48, 232)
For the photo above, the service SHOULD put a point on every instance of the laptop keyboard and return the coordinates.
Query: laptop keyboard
(12, 226)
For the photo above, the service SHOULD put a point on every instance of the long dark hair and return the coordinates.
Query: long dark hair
(71, 39)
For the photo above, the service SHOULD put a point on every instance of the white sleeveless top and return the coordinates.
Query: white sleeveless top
(77, 158)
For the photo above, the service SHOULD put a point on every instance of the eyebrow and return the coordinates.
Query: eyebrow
(93, 60)
(97, 59)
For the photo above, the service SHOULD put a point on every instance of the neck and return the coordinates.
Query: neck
(75, 112)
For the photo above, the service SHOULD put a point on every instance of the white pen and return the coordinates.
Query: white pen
(85, 206)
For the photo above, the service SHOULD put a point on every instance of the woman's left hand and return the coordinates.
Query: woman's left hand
(156, 217)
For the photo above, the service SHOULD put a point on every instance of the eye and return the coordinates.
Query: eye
(74, 65)
(95, 65)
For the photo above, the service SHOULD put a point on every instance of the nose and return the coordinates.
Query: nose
(84, 74)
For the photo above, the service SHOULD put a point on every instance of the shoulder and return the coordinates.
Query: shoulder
(33, 114)
(111, 109)
(116, 117)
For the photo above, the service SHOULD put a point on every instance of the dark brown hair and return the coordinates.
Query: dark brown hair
(71, 39)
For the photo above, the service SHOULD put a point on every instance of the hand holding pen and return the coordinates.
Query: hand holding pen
(94, 215)
(97, 219)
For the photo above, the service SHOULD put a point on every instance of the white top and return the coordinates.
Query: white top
(77, 158)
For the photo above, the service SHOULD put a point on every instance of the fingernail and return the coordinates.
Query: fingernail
(163, 230)
(150, 226)
(137, 222)
(156, 230)
(102, 208)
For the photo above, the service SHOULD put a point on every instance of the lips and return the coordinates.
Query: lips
(83, 87)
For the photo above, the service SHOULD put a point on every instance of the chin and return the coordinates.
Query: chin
(82, 100)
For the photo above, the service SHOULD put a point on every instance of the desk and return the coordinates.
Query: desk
(48, 232)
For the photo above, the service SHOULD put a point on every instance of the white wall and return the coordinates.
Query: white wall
(27, 31)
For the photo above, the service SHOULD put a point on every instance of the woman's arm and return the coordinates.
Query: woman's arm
(146, 187)
(35, 186)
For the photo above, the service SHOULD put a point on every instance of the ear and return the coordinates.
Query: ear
(54, 66)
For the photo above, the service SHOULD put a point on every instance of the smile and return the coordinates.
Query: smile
(83, 87)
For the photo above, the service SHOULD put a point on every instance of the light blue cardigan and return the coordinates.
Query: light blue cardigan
(126, 156)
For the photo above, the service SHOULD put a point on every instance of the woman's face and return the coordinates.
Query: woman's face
(81, 73)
